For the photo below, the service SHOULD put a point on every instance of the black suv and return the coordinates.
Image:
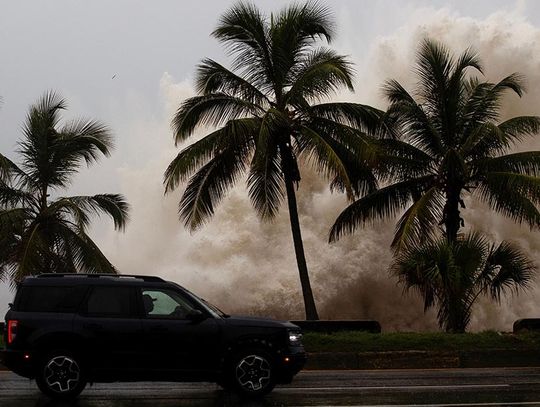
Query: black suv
(66, 330)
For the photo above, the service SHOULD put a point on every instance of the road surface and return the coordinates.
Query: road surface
(455, 387)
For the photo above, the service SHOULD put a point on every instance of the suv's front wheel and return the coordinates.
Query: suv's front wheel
(61, 376)
(253, 373)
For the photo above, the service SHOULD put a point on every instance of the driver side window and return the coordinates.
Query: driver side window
(163, 303)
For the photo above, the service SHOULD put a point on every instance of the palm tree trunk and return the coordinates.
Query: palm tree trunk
(451, 211)
(309, 301)
(457, 317)
(291, 174)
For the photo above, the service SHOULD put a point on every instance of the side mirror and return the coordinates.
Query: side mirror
(196, 316)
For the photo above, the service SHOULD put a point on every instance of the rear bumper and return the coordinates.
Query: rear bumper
(19, 362)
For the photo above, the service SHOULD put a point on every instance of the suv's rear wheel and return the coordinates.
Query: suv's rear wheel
(252, 372)
(61, 376)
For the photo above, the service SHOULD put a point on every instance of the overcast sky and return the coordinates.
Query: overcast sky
(110, 60)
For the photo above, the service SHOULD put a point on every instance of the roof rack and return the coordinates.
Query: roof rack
(102, 275)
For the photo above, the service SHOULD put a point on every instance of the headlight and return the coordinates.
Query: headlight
(295, 338)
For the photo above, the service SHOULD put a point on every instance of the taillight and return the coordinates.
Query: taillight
(12, 331)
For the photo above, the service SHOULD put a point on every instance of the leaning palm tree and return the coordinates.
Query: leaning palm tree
(453, 275)
(268, 112)
(449, 144)
(43, 235)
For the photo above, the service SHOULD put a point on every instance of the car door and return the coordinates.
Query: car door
(110, 322)
(176, 339)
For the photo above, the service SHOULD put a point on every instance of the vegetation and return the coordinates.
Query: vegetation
(43, 235)
(386, 342)
(454, 274)
(448, 144)
(268, 112)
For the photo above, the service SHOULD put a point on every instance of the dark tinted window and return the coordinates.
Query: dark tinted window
(50, 298)
(111, 302)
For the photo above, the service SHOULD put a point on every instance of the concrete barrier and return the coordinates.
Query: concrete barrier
(526, 325)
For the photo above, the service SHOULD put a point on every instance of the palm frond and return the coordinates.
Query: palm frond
(209, 110)
(488, 139)
(508, 268)
(322, 73)
(324, 154)
(362, 117)
(244, 31)
(292, 31)
(265, 180)
(213, 77)
(518, 128)
(525, 163)
(484, 101)
(512, 203)
(81, 207)
(399, 160)
(13, 197)
(240, 131)
(358, 153)
(85, 254)
(412, 122)
(10, 172)
(208, 186)
(420, 221)
(383, 203)
(29, 252)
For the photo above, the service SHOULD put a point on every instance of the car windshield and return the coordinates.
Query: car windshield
(210, 307)
(215, 309)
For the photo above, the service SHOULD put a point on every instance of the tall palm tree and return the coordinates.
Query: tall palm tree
(268, 112)
(449, 143)
(453, 275)
(43, 235)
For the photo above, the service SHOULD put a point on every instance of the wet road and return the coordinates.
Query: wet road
(458, 387)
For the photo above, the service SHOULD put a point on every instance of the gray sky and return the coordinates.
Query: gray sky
(76, 47)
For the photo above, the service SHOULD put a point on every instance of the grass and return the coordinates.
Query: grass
(367, 342)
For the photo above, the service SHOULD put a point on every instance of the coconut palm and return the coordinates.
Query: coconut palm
(43, 235)
(450, 144)
(453, 275)
(268, 110)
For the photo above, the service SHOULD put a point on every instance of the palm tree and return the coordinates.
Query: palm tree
(453, 275)
(268, 113)
(43, 235)
(450, 144)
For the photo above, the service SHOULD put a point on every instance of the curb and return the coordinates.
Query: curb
(422, 360)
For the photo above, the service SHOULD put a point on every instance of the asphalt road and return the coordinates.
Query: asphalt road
(455, 387)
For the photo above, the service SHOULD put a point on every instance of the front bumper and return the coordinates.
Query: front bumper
(290, 363)
(19, 362)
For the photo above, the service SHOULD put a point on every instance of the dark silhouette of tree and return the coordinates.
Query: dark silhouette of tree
(452, 275)
(449, 143)
(268, 112)
(43, 235)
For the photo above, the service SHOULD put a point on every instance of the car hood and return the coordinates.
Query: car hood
(239, 320)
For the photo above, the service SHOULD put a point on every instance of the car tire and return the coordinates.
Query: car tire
(252, 373)
(61, 375)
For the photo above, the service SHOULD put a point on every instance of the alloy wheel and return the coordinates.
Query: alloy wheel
(62, 374)
(253, 372)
